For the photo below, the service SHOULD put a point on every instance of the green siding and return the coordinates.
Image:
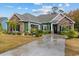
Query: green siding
(48, 26)
(26, 27)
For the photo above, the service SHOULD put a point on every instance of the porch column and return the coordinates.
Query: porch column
(58, 28)
(39, 27)
(29, 27)
(72, 26)
(8, 27)
(51, 27)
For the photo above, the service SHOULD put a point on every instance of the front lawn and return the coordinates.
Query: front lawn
(72, 47)
(8, 42)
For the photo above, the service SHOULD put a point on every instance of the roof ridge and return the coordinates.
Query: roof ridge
(28, 14)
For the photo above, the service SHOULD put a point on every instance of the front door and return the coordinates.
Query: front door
(55, 28)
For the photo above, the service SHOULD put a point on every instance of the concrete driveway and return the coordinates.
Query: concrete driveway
(50, 45)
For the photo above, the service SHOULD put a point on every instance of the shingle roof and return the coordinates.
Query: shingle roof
(42, 18)
(27, 17)
(54, 18)
(46, 18)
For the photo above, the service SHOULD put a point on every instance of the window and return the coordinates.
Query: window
(34, 26)
(44, 27)
(18, 28)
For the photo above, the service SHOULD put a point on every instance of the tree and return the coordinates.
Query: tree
(74, 15)
(77, 25)
(12, 25)
(61, 11)
(1, 28)
(54, 9)
(57, 10)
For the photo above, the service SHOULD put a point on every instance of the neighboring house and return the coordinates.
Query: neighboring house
(49, 22)
(3, 22)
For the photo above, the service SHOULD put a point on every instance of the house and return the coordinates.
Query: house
(49, 22)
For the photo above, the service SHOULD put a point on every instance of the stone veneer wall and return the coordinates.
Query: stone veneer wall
(21, 27)
(65, 22)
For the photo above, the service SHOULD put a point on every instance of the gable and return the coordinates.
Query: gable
(60, 17)
(69, 19)
(14, 18)
(65, 18)
(65, 22)
(57, 19)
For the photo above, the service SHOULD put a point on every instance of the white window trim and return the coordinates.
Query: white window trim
(44, 27)
(36, 25)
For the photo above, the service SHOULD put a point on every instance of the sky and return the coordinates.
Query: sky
(8, 9)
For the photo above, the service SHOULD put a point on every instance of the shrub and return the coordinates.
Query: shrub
(72, 34)
(5, 31)
(46, 32)
(26, 33)
(64, 32)
(69, 33)
(13, 33)
(18, 33)
(9, 32)
(49, 32)
(33, 31)
(39, 33)
(36, 32)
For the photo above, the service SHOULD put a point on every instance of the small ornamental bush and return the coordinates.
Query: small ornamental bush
(36, 32)
(5, 31)
(72, 34)
(46, 32)
(33, 31)
(18, 33)
(13, 33)
(69, 33)
(9, 32)
(64, 32)
(39, 33)
(26, 33)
